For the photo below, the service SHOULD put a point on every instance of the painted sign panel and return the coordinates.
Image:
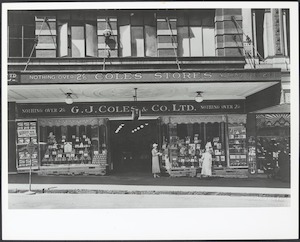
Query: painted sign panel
(148, 77)
(26, 132)
(125, 108)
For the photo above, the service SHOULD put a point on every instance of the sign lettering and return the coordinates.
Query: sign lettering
(125, 108)
(171, 76)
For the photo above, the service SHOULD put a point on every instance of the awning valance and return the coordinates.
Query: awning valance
(237, 118)
(193, 119)
(272, 120)
(71, 122)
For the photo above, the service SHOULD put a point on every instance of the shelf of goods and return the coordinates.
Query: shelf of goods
(237, 147)
(26, 133)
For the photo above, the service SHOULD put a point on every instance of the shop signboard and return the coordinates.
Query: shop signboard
(108, 109)
(13, 78)
(150, 76)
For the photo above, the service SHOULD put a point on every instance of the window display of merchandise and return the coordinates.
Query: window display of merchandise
(219, 158)
(252, 155)
(26, 132)
(74, 151)
(237, 146)
(185, 153)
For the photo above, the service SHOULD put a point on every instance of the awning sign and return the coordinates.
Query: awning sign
(148, 76)
(108, 109)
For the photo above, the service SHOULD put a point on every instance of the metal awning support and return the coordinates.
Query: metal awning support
(35, 44)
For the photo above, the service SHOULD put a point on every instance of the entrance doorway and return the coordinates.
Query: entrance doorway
(131, 144)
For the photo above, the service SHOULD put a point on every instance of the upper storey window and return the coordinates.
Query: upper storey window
(21, 34)
(77, 34)
(137, 34)
(271, 32)
(196, 35)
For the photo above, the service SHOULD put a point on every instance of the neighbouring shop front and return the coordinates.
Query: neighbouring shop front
(101, 138)
(270, 143)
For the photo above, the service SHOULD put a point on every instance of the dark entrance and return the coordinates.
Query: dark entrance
(131, 144)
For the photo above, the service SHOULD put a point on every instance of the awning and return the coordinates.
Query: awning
(151, 85)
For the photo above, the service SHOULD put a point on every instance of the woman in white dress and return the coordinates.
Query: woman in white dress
(207, 161)
(166, 157)
(155, 161)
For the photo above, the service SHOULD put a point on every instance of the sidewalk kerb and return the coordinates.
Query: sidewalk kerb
(151, 190)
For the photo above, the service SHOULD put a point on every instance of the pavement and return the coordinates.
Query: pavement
(146, 184)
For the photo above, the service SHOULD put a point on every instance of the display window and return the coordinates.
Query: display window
(272, 141)
(73, 144)
(186, 143)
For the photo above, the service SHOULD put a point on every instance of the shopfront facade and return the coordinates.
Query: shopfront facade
(73, 135)
(105, 137)
(101, 58)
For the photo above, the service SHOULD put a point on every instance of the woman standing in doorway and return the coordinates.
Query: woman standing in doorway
(207, 161)
(155, 161)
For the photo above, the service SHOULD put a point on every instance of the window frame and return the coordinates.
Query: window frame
(20, 23)
(76, 23)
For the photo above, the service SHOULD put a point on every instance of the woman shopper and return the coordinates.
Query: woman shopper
(207, 161)
(155, 161)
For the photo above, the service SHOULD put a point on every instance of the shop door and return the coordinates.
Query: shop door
(131, 144)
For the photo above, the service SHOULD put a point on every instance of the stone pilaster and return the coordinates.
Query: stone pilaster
(229, 36)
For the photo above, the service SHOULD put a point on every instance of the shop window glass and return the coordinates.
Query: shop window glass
(186, 143)
(65, 145)
(237, 145)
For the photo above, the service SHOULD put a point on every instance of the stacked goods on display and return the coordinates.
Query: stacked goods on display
(101, 160)
(76, 151)
(252, 155)
(219, 159)
(26, 132)
(237, 146)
